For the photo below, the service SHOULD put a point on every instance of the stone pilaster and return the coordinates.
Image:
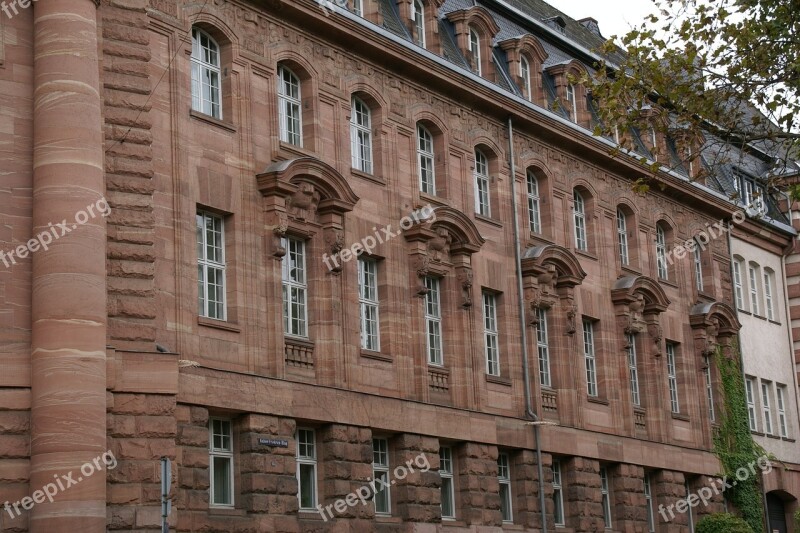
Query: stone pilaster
(418, 496)
(525, 480)
(345, 454)
(627, 498)
(668, 490)
(193, 475)
(478, 496)
(582, 500)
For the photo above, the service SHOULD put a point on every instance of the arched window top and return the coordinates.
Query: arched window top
(361, 113)
(288, 83)
(204, 48)
(481, 163)
(474, 46)
(418, 21)
(578, 200)
(424, 138)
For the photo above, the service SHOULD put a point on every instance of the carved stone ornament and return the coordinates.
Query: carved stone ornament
(572, 313)
(465, 278)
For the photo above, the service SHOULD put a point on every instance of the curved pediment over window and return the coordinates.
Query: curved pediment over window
(716, 315)
(628, 290)
(464, 236)
(537, 261)
(292, 177)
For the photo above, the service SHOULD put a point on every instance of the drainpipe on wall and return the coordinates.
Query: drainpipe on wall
(523, 333)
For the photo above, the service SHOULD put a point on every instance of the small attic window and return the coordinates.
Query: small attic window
(557, 23)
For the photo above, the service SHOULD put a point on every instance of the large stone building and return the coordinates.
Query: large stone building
(223, 161)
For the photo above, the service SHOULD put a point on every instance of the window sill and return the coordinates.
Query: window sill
(773, 437)
(628, 269)
(435, 200)
(229, 126)
(787, 439)
(761, 317)
(774, 322)
(488, 220)
(744, 312)
(301, 341)
(760, 434)
(387, 519)
(598, 400)
(217, 324)
(369, 354)
(668, 282)
(367, 176)
(679, 416)
(294, 150)
(226, 511)
(309, 515)
(500, 380)
(452, 522)
(585, 254)
(705, 295)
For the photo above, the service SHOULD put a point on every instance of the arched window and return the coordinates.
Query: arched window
(661, 252)
(525, 74)
(622, 238)
(475, 50)
(738, 285)
(418, 18)
(291, 125)
(768, 295)
(753, 271)
(698, 266)
(206, 88)
(482, 202)
(579, 217)
(361, 136)
(427, 178)
(534, 214)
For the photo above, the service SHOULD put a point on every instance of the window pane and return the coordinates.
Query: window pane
(308, 497)
(221, 467)
(382, 492)
(447, 498)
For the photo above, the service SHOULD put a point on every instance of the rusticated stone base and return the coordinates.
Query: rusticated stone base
(479, 490)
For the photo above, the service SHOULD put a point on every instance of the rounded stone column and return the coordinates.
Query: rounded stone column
(68, 357)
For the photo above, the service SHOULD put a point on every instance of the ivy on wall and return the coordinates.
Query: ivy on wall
(734, 444)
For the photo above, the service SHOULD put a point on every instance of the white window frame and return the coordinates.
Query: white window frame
(698, 266)
(768, 302)
(749, 384)
(358, 7)
(783, 426)
(483, 204)
(221, 453)
(753, 277)
(206, 74)
(426, 168)
(622, 238)
(380, 471)
(766, 408)
(474, 46)
(361, 135)
(633, 369)
(418, 18)
(709, 384)
(216, 309)
(605, 495)
(534, 211)
(491, 338)
(590, 358)
(738, 288)
(543, 348)
(558, 494)
(433, 322)
(672, 379)
(661, 253)
(525, 74)
(309, 460)
(290, 108)
(446, 474)
(579, 221)
(504, 479)
(648, 498)
(573, 102)
(369, 304)
(294, 277)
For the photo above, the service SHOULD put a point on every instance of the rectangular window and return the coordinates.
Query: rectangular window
(211, 265)
(782, 425)
(753, 290)
(661, 253)
(306, 469)
(221, 462)
(543, 348)
(648, 498)
(504, 478)
(289, 107)
(358, 8)
(534, 214)
(765, 406)
(433, 322)
(737, 284)
(589, 357)
(425, 168)
(604, 492)
(622, 238)
(709, 387)
(672, 379)
(295, 287)
(698, 267)
(380, 473)
(482, 202)
(751, 403)
(633, 369)
(768, 296)
(490, 334)
(572, 103)
(579, 217)
(448, 490)
(368, 301)
(361, 134)
(558, 494)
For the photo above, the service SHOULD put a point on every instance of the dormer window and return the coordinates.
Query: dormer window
(557, 23)
(572, 103)
(525, 74)
(418, 19)
(475, 50)
(358, 7)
